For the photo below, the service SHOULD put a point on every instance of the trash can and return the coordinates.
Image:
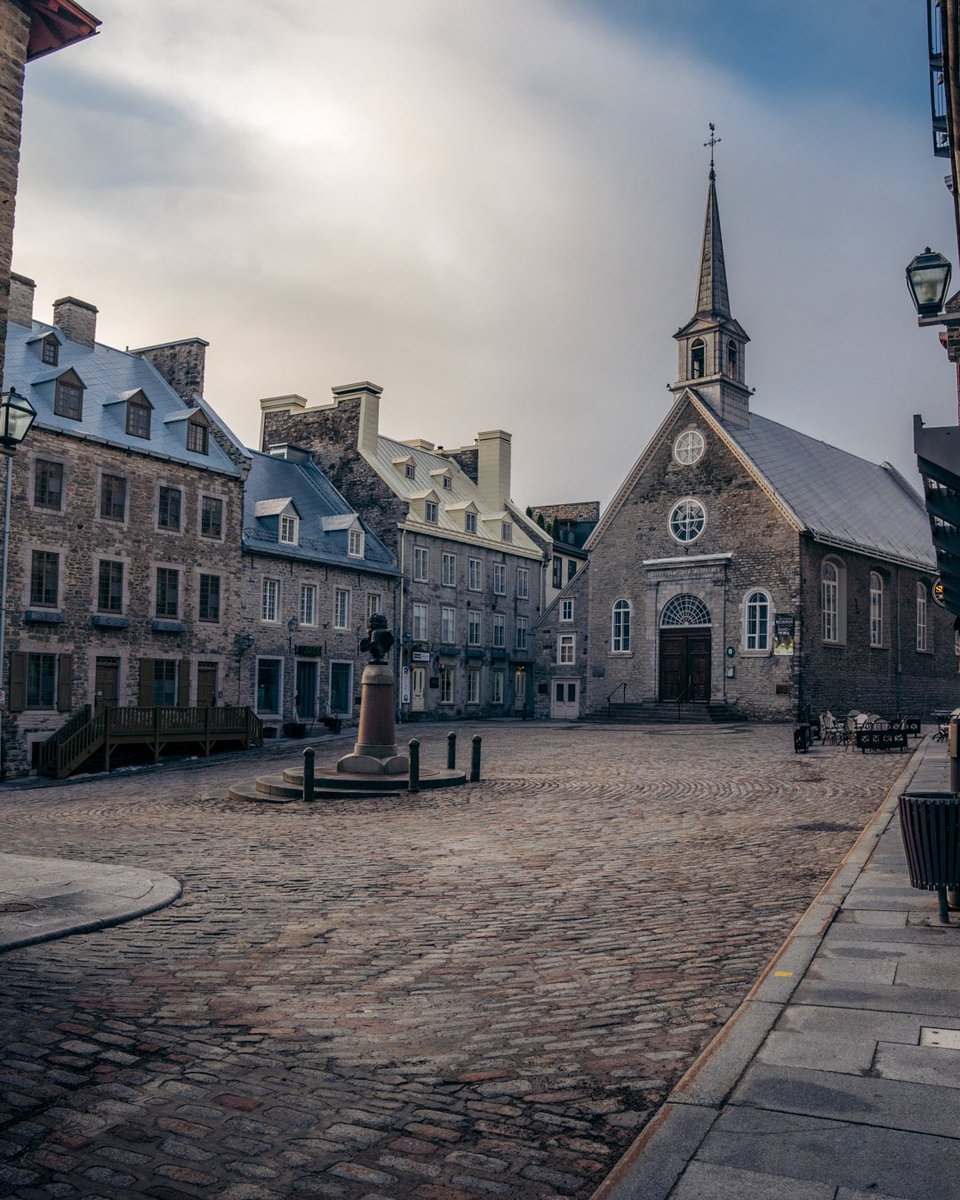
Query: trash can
(930, 826)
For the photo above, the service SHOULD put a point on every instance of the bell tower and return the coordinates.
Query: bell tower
(712, 344)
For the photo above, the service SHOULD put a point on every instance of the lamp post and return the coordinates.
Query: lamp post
(928, 279)
(17, 414)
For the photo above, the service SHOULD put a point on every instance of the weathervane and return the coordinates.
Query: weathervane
(711, 143)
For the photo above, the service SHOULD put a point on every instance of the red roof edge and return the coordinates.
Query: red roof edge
(57, 23)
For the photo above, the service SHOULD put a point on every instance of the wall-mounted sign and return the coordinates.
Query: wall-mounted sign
(405, 686)
(310, 651)
(784, 625)
(420, 656)
(731, 651)
(937, 591)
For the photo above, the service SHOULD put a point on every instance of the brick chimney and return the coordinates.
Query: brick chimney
(21, 299)
(182, 365)
(493, 468)
(76, 320)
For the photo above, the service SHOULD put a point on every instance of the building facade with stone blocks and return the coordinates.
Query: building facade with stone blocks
(313, 575)
(568, 526)
(746, 564)
(563, 650)
(471, 564)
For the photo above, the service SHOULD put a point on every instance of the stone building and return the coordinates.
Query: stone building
(471, 563)
(313, 575)
(745, 564)
(568, 526)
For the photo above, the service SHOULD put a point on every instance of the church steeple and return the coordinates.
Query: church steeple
(712, 343)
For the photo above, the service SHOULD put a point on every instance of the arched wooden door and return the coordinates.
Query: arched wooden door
(685, 650)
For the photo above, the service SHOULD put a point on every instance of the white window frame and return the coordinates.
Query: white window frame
(355, 543)
(448, 625)
(833, 601)
(341, 608)
(374, 604)
(566, 649)
(755, 639)
(522, 630)
(420, 622)
(421, 564)
(499, 631)
(566, 610)
(448, 684)
(289, 530)
(922, 613)
(506, 531)
(621, 626)
(431, 512)
(473, 685)
(497, 681)
(876, 610)
(523, 583)
(687, 520)
(308, 604)
(448, 569)
(470, 522)
(474, 627)
(475, 574)
(499, 579)
(270, 600)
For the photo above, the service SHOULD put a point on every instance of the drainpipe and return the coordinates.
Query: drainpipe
(398, 625)
(899, 667)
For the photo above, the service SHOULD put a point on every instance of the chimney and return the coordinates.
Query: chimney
(76, 320)
(180, 363)
(493, 468)
(21, 299)
(368, 428)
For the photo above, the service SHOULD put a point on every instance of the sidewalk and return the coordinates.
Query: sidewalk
(838, 1078)
(46, 898)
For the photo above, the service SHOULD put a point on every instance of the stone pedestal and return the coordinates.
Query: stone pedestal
(376, 751)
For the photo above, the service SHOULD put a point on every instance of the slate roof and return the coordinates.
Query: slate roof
(837, 496)
(106, 374)
(325, 516)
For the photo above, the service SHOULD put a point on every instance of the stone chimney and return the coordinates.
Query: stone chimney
(76, 320)
(368, 429)
(493, 468)
(21, 299)
(181, 364)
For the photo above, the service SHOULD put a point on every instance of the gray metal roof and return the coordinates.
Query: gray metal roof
(106, 374)
(275, 482)
(837, 496)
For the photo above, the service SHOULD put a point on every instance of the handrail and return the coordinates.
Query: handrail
(612, 694)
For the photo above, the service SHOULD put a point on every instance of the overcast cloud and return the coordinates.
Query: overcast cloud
(493, 210)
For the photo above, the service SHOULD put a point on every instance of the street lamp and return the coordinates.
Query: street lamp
(17, 414)
(928, 278)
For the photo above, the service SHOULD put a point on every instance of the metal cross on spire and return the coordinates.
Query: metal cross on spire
(711, 143)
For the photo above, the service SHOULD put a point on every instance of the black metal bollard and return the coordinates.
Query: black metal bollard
(414, 747)
(475, 759)
(451, 751)
(308, 765)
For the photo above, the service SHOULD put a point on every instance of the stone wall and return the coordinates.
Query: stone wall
(549, 670)
(14, 34)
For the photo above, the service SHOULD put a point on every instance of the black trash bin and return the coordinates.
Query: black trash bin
(930, 825)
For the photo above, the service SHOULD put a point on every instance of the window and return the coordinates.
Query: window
(448, 625)
(113, 497)
(68, 400)
(523, 583)
(571, 568)
(496, 687)
(447, 482)
(876, 609)
(355, 543)
(620, 630)
(50, 352)
(921, 616)
(519, 688)
(430, 511)
(164, 693)
(209, 609)
(138, 419)
(41, 680)
(198, 437)
(420, 623)
(687, 520)
(566, 610)
(44, 578)
(270, 600)
(308, 604)
(521, 633)
(474, 574)
(684, 610)
(756, 616)
(110, 587)
(698, 358)
(374, 604)
(341, 608)
(499, 631)
(169, 501)
(557, 572)
(447, 681)
(689, 447)
(499, 579)
(470, 522)
(566, 649)
(448, 570)
(168, 592)
(833, 601)
(506, 531)
(269, 673)
(211, 517)
(48, 484)
(733, 358)
(421, 563)
(473, 627)
(473, 686)
(289, 530)
(409, 471)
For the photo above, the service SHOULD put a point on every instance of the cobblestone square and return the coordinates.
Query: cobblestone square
(465, 994)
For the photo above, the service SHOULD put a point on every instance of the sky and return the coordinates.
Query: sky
(493, 209)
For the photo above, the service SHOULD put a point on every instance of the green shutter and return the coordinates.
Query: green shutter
(18, 682)
(64, 681)
(183, 683)
(146, 683)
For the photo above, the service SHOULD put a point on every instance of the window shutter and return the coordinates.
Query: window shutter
(18, 682)
(146, 683)
(183, 683)
(64, 681)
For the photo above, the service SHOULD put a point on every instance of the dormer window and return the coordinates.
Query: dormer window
(409, 471)
(138, 418)
(68, 400)
(447, 482)
(289, 530)
(50, 351)
(198, 437)
(355, 543)
(430, 511)
(506, 531)
(470, 522)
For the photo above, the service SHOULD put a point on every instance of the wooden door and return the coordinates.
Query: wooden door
(418, 689)
(685, 665)
(206, 685)
(106, 684)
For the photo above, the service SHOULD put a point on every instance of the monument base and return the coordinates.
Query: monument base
(360, 763)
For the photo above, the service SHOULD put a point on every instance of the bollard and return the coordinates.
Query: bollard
(451, 751)
(414, 747)
(475, 759)
(308, 757)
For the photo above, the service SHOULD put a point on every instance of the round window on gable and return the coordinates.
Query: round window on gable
(687, 520)
(689, 447)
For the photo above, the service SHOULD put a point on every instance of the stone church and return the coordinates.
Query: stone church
(745, 565)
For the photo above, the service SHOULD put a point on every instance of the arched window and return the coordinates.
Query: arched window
(921, 616)
(620, 631)
(756, 621)
(698, 359)
(876, 609)
(833, 601)
(685, 609)
(733, 358)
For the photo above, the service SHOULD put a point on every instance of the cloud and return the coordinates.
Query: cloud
(494, 211)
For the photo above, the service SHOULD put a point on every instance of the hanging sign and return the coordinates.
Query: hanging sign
(937, 591)
(783, 632)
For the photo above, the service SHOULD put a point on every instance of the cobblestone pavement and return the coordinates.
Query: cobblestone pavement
(474, 993)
